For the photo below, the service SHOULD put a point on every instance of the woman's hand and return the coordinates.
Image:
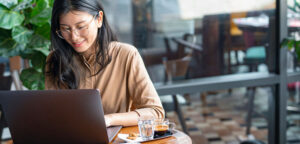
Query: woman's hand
(108, 120)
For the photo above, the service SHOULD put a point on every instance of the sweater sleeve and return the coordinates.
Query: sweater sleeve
(145, 100)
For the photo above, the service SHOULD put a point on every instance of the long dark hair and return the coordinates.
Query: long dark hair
(61, 66)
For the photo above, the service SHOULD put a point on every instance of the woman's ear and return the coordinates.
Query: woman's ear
(100, 19)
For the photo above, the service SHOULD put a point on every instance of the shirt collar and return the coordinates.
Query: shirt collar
(89, 60)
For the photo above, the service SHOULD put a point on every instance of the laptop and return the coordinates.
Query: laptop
(56, 116)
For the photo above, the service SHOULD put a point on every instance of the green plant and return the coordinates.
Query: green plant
(293, 46)
(292, 43)
(25, 31)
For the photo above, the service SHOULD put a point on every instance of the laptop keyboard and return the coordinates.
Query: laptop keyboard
(112, 132)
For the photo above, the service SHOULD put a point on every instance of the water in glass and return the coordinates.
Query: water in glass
(146, 128)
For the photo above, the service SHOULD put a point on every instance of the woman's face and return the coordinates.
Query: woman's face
(80, 29)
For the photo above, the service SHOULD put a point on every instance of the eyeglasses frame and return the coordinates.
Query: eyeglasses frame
(58, 32)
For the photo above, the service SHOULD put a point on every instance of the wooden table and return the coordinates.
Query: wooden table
(178, 137)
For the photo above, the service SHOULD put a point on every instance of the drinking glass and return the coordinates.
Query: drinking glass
(146, 127)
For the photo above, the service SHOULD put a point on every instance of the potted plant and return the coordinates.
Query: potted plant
(293, 46)
(25, 32)
(293, 43)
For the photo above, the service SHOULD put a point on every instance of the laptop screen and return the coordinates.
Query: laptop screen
(51, 116)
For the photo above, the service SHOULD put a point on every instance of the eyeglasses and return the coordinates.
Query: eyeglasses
(80, 31)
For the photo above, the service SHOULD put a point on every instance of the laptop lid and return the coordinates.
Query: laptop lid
(54, 116)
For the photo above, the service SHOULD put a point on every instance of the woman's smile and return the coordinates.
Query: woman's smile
(78, 44)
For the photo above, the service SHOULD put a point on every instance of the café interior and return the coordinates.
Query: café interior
(218, 66)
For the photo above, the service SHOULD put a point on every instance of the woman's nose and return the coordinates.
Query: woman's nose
(74, 35)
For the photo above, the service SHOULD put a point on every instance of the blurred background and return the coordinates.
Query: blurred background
(230, 49)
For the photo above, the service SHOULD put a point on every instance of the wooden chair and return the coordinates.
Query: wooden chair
(15, 69)
(187, 45)
(175, 70)
(151, 57)
(189, 41)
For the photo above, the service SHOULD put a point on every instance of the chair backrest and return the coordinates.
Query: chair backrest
(15, 69)
(176, 68)
(15, 63)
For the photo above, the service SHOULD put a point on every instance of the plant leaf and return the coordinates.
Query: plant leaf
(37, 44)
(4, 34)
(21, 34)
(290, 44)
(6, 46)
(43, 51)
(39, 6)
(9, 19)
(33, 79)
(9, 3)
(10, 48)
(44, 31)
(42, 18)
(297, 44)
(41, 13)
(27, 53)
(38, 60)
(6, 42)
(284, 42)
(2, 7)
(38, 41)
(23, 4)
(51, 3)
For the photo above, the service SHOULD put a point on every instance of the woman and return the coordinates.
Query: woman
(86, 55)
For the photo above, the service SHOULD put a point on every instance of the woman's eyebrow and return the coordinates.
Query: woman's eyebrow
(75, 23)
